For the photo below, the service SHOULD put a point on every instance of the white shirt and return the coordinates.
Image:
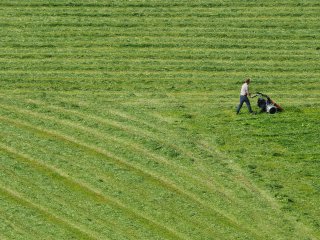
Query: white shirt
(244, 90)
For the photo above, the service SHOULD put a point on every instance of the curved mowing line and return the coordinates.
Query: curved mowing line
(244, 180)
(16, 225)
(139, 131)
(248, 186)
(114, 226)
(140, 169)
(193, 221)
(247, 183)
(7, 220)
(96, 194)
(127, 189)
(261, 192)
(29, 183)
(226, 219)
(189, 154)
(46, 213)
(214, 233)
(135, 146)
(161, 130)
(124, 115)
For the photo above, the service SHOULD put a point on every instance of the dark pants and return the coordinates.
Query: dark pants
(242, 100)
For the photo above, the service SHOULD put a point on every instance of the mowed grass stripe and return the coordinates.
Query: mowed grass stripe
(169, 11)
(92, 192)
(119, 77)
(27, 229)
(176, 21)
(201, 227)
(15, 226)
(158, 63)
(215, 42)
(31, 222)
(78, 209)
(195, 13)
(157, 52)
(165, 3)
(171, 32)
(136, 44)
(50, 216)
(224, 218)
(122, 206)
(46, 81)
(172, 55)
(115, 183)
(195, 25)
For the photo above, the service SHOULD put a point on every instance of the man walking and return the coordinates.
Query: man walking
(244, 93)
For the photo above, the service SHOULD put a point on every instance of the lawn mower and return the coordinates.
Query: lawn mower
(266, 104)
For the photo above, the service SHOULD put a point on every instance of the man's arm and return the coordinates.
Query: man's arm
(247, 91)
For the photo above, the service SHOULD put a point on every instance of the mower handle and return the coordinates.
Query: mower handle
(256, 94)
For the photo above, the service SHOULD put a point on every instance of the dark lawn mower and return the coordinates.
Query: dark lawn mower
(266, 104)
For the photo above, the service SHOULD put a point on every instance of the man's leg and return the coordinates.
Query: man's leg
(248, 104)
(240, 104)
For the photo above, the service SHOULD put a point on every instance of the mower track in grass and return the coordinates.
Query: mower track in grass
(38, 116)
(105, 136)
(110, 228)
(135, 146)
(89, 190)
(50, 133)
(45, 212)
(124, 142)
(224, 219)
(179, 190)
(114, 183)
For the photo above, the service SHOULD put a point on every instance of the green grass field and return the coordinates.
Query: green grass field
(118, 119)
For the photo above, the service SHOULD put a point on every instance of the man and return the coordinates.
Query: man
(244, 93)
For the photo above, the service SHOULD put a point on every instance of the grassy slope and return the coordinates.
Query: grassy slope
(117, 120)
